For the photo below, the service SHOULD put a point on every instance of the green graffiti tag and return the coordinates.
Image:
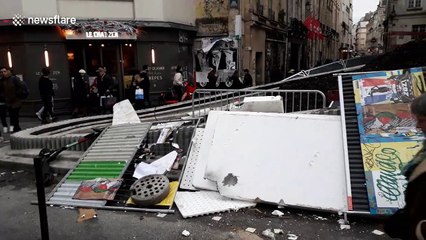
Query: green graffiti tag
(389, 164)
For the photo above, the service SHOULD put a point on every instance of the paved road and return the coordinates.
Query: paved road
(20, 220)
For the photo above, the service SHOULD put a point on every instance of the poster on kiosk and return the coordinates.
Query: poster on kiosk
(389, 138)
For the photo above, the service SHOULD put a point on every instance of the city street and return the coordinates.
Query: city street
(20, 219)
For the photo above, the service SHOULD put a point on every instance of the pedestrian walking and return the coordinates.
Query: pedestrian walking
(145, 85)
(410, 222)
(45, 86)
(178, 83)
(80, 93)
(15, 90)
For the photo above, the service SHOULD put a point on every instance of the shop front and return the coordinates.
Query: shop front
(66, 50)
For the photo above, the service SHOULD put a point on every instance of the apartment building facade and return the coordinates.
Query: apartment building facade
(405, 21)
(375, 30)
(361, 35)
(345, 29)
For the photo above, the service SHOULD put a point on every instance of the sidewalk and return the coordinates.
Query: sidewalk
(65, 161)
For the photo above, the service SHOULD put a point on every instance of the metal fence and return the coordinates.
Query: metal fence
(205, 100)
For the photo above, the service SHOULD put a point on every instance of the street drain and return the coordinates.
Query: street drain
(150, 190)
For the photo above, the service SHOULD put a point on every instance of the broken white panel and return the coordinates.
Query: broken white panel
(186, 182)
(287, 159)
(198, 180)
(192, 204)
(124, 113)
(165, 133)
(263, 104)
(144, 169)
(165, 163)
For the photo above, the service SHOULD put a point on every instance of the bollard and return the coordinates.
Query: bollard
(38, 165)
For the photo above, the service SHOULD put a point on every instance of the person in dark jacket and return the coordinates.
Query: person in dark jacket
(14, 91)
(105, 86)
(45, 86)
(3, 107)
(80, 93)
(104, 82)
(145, 84)
(410, 222)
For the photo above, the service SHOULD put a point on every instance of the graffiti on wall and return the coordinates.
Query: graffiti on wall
(388, 134)
(212, 16)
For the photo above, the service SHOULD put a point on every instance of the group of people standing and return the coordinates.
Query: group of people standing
(12, 91)
(140, 89)
(92, 96)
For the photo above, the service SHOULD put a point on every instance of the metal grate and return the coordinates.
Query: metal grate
(356, 168)
(108, 157)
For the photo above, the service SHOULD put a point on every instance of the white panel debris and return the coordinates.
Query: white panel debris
(192, 204)
(263, 104)
(288, 159)
(188, 174)
(198, 180)
(124, 113)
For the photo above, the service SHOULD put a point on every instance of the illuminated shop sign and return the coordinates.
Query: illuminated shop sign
(101, 35)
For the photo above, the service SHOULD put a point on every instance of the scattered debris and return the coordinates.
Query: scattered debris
(86, 214)
(161, 215)
(175, 145)
(320, 218)
(345, 226)
(217, 218)
(378, 232)
(341, 221)
(278, 231)
(67, 207)
(277, 213)
(186, 233)
(251, 230)
(291, 236)
(268, 233)
(246, 235)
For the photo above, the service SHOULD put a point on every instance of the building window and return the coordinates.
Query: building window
(418, 29)
(414, 3)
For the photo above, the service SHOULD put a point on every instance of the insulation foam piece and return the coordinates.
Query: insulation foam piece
(188, 174)
(192, 204)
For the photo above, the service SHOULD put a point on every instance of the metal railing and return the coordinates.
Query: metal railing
(205, 100)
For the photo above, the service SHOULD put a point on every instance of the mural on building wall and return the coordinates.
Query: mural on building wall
(388, 134)
(212, 16)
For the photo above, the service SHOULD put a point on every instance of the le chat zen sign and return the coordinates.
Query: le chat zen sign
(102, 35)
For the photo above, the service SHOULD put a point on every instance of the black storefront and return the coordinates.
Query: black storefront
(171, 44)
